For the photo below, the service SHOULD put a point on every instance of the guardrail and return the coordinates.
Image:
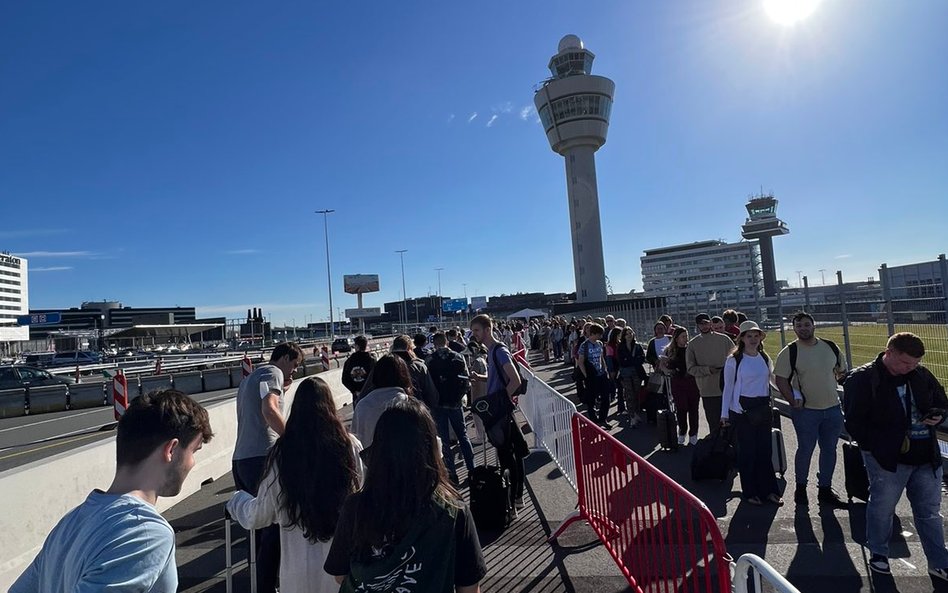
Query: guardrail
(661, 536)
(550, 417)
(750, 567)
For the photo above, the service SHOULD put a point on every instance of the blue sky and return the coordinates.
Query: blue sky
(174, 153)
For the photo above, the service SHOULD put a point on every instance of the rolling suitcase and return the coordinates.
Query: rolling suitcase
(229, 558)
(777, 421)
(667, 424)
(857, 479)
(491, 497)
(778, 452)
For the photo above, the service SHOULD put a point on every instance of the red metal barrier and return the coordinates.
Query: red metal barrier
(660, 535)
(120, 394)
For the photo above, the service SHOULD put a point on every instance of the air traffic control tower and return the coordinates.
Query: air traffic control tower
(574, 108)
(762, 224)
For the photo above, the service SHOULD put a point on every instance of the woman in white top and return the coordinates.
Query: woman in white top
(746, 402)
(311, 470)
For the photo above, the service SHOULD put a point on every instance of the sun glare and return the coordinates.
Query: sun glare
(789, 12)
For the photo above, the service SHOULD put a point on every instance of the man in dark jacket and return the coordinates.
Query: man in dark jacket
(357, 368)
(448, 370)
(892, 408)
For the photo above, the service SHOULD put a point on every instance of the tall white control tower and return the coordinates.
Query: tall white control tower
(574, 108)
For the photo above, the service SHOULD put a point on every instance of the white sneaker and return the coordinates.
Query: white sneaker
(681, 439)
(693, 440)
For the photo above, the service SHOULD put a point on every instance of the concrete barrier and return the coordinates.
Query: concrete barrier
(235, 376)
(12, 402)
(51, 398)
(216, 380)
(153, 383)
(89, 395)
(38, 494)
(189, 383)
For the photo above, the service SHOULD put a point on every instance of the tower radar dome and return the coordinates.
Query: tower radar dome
(570, 42)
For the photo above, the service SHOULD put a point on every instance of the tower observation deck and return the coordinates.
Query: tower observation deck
(574, 108)
(762, 224)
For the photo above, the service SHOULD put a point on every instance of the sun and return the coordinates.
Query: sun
(789, 12)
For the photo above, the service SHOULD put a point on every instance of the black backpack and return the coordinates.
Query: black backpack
(450, 378)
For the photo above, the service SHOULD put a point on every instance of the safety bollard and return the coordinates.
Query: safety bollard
(78, 375)
(120, 394)
(246, 367)
(158, 366)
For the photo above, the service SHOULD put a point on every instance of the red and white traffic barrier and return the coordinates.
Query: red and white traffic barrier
(324, 358)
(158, 366)
(120, 394)
(78, 374)
(246, 367)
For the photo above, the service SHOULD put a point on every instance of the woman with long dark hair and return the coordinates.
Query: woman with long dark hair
(631, 357)
(315, 443)
(408, 524)
(390, 381)
(684, 388)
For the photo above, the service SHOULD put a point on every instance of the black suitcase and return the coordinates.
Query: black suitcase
(857, 479)
(777, 421)
(667, 426)
(229, 558)
(713, 457)
(491, 497)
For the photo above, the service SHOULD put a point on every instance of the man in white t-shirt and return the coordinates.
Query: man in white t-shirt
(260, 421)
(116, 540)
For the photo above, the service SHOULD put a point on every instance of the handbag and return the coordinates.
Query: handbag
(656, 382)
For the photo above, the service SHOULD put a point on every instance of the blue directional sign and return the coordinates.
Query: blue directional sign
(39, 318)
(454, 305)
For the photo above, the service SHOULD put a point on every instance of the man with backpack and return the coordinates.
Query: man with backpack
(807, 371)
(448, 370)
(893, 405)
(503, 383)
(357, 368)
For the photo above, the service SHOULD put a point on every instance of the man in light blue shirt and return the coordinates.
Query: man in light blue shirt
(116, 540)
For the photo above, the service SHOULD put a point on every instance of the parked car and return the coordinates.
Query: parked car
(341, 345)
(38, 359)
(15, 376)
(69, 358)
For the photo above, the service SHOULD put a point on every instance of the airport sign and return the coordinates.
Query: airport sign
(39, 318)
(454, 305)
(363, 312)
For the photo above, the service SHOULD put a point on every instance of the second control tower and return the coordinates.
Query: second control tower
(762, 224)
(574, 108)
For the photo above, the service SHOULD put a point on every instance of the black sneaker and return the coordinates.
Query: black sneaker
(828, 497)
(880, 564)
(799, 495)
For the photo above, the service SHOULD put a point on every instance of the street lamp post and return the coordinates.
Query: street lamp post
(326, 213)
(440, 304)
(401, 256)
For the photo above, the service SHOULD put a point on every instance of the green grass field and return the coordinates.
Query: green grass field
(867, 340)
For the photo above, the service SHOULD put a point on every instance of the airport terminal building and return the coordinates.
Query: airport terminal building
(704, 271)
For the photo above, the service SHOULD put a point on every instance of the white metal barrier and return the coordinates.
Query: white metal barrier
(752, 568)
(549, 414)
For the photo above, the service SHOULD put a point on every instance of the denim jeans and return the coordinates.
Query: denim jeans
(812, 426)
(922, 484)
(455, 418)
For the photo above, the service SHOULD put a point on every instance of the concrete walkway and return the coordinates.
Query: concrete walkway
(818, 551)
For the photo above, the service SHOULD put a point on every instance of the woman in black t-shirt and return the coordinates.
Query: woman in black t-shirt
(408, 528)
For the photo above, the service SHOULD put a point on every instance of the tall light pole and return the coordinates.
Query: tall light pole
(401, 256)
(823, 277)
(326, 213)
(799, 278)
(440, 305)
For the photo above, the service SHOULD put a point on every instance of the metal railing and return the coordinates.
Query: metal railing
(661, 536)
(754, 569)
(550, 417)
